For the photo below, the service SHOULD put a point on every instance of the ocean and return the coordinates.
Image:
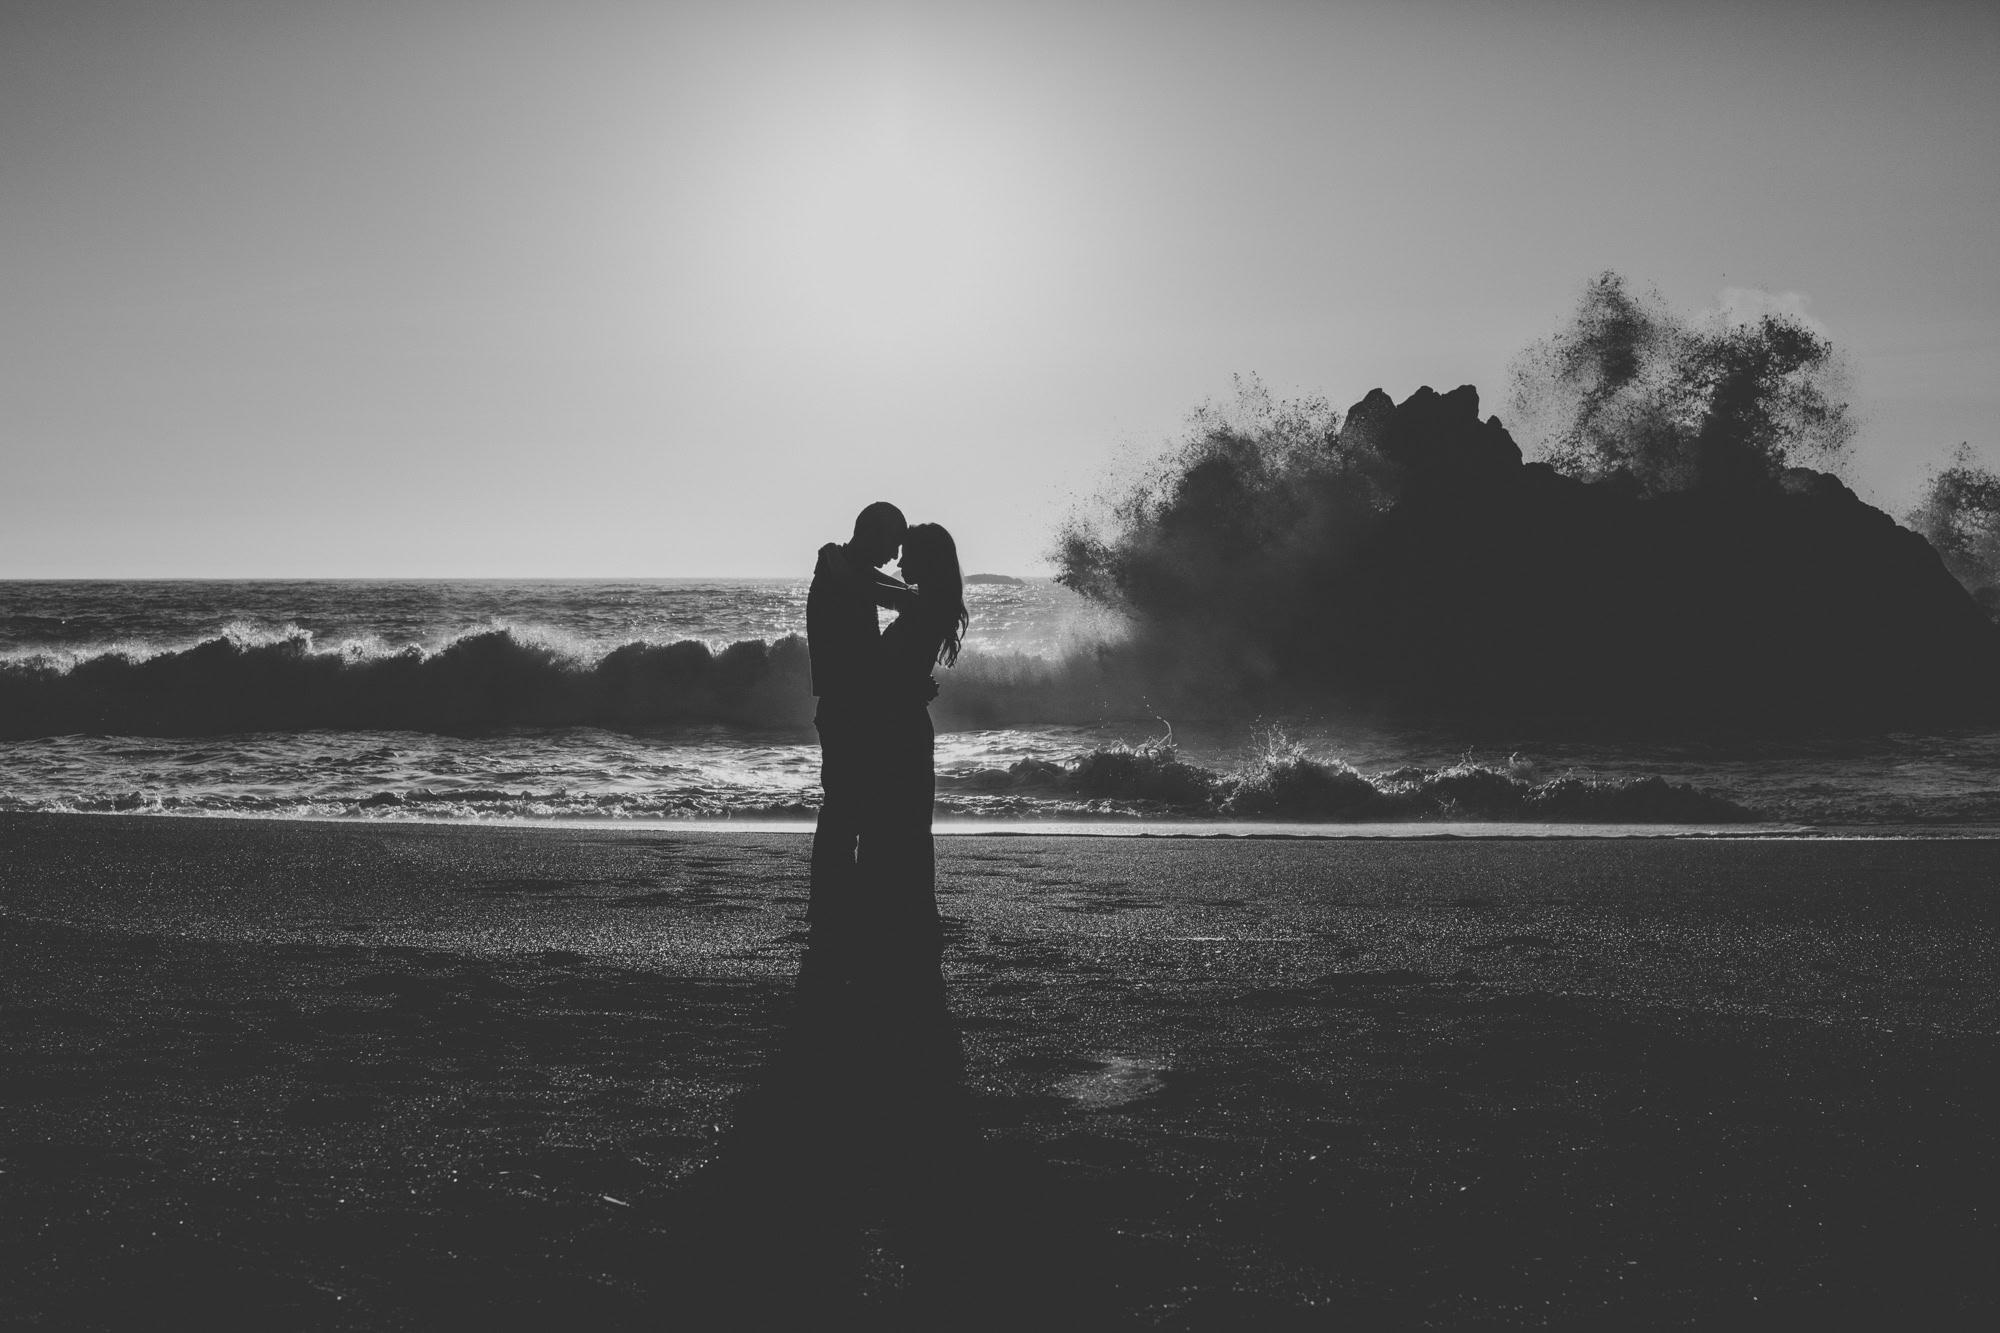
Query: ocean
(684, 699)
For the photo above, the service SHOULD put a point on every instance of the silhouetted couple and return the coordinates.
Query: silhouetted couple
(862, 1116)
(875, 931)
(862, 1120)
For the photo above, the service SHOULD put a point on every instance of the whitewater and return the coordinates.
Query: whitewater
(680, 699)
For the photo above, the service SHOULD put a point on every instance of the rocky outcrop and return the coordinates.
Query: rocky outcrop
(1495, 586)
(1476, 586)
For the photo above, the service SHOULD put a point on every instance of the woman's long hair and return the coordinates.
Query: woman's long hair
(944, 590)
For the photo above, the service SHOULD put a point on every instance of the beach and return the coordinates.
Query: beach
(276, 1074)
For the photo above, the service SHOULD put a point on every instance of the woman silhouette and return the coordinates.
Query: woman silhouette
(895, 863)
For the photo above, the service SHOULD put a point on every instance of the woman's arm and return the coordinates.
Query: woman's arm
(892, 593)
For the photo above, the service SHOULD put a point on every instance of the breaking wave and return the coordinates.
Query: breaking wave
(1283, 782)
(513, 676)
(587, 774)
(484, 680)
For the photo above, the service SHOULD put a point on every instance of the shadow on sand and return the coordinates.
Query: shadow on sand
(857, 1185)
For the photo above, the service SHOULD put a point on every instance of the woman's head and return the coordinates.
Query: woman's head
(930, 560)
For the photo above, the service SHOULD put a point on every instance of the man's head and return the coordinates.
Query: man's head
(878, 531)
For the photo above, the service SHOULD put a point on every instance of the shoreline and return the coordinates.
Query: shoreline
(360, 1074)
(1240, 830)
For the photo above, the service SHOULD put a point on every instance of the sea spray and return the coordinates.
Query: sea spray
(1408, 561)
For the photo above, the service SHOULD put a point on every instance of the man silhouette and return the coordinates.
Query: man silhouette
(841, 640)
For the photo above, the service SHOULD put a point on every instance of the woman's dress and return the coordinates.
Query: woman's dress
(895, 865)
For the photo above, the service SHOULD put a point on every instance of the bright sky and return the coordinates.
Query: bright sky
(584, 287)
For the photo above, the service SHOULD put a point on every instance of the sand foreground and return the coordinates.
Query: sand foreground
(291, 1075)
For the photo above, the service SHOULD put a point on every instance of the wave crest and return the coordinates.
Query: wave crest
(1285, 783)
(240, 682)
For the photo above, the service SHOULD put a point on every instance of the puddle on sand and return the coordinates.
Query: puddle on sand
(1123, 1079)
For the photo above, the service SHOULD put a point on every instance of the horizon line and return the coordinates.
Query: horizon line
(804, 577)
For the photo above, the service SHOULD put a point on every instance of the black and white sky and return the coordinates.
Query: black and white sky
(597, 287)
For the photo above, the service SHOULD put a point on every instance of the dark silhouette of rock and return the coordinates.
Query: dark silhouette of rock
(1007, 580)
(1414, 561)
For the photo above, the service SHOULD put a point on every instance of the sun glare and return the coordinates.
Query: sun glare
(887, 227)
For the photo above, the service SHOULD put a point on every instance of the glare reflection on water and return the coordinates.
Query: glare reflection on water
(1124, 1078)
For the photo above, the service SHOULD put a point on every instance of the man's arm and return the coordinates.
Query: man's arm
(833, 567)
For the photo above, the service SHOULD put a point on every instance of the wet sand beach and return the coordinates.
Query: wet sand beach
(342, 1075)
